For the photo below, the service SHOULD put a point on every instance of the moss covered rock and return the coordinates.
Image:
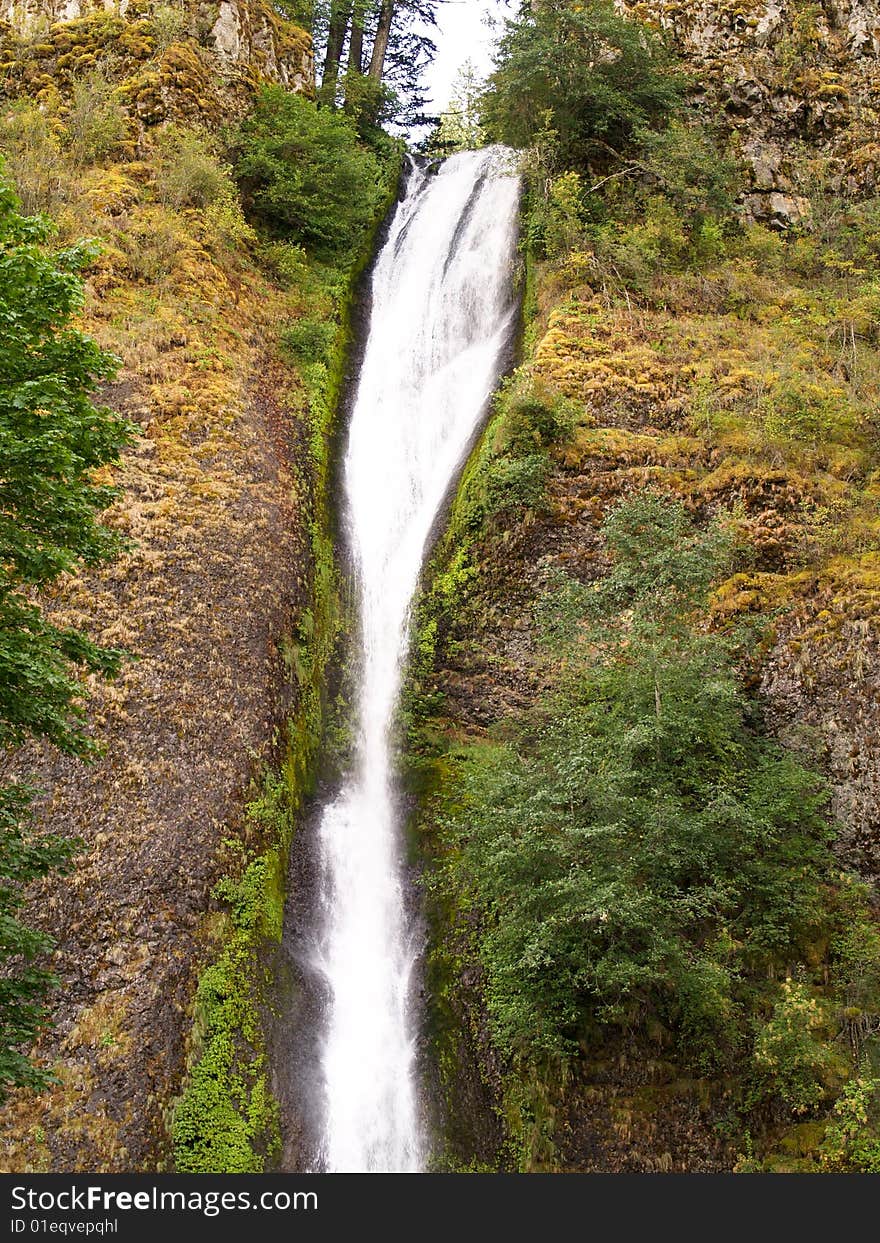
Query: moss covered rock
(192, 62)
(779, 73)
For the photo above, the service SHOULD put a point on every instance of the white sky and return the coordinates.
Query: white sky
(461, 34)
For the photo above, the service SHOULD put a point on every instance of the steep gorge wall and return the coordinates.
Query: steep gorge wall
(796, 82)
(212, 601)
(669, 381)
(782, 75)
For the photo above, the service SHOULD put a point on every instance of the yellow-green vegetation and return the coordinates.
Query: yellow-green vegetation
(55, 443)
(226, 598)
(179, 300)
(745, 377)
(688, 373)
(157, 57)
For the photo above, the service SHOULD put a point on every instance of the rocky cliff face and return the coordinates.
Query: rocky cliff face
(696, 380)
(798, 85)
(204, 601)
(671, 393)
(195, 61)
(781, 74)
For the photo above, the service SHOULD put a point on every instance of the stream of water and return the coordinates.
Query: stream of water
(442, 312)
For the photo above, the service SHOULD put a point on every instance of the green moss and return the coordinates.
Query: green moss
(227, 1122)
(159, 74)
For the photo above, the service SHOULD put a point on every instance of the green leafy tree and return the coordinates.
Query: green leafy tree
(53, 440)
(603, 79)
(303, 171)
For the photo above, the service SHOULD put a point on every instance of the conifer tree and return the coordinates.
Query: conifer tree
(53, 441)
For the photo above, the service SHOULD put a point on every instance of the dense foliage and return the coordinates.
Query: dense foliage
(53, 440)
(639, 849)
(595, 78)
(305, 175)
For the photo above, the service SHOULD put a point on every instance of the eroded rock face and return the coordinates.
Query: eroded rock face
(779, 73)
(861, 21)
(244, 34)
(237, 38)
(218, 572)
(826, 688)
(791, 79)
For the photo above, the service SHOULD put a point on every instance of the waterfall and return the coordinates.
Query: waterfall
(441, 318)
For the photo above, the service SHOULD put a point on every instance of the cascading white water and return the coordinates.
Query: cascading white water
(442, 311)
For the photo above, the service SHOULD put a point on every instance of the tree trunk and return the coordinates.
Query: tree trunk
(383, 34)
(340, 15)
(356, 43)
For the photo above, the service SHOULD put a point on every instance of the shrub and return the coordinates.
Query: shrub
(225, 222)
(289, 263)
(855, 976)
(308, 340)
(302, 12)
(514, 483)
(657, 242)
(802, 43)
(807, 412)
(537, 418)
(305, 175)
(34, 160)
(791, 1061)
(765, 249)
(189, 173)
(638, 850)
(96, 122)
(563, 218)
(152, 245)
(687, 162)
(169, 25)
(852, 1139)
